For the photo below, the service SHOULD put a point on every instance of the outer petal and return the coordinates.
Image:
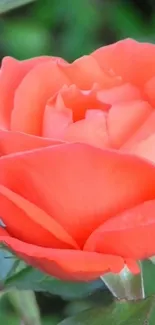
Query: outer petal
(11, 74)
(27, 222)
(130, 234)
(86, 71)
(133, 61)
(32, 94)
(78, 185)
(12, 142)
(66, 264)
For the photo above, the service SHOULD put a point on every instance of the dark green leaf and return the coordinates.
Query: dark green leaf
(148, 276)
(33, 279)
(118, 313)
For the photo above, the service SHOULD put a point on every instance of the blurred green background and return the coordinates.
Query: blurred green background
(70, 28)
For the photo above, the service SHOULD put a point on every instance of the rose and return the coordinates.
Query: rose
(77, 174)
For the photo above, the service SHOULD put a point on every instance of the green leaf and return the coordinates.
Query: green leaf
(35, 280)
(14, 273)
(6, 5)
(148, 276)
(26, 307)
(118, 313)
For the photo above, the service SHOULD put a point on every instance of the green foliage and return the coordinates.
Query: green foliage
(148, 275)
(17, 275)
(118, 313)
(29, 278)
(6, 5)
(70, 28)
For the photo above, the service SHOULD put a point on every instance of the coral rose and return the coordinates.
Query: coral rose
(77, 173)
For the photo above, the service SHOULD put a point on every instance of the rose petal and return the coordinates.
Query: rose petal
(149, 91)
(133, 61)
(32, 94)
(78, 185)
(56, 118)
(79, 101)
(70, 104)
(129, 234)
(116, 95)
(3, 232)
(66, 264)
(85, 71)
(145, 130)
(124, 119)
(92, 130)
(144, 149)
(27, 222)
(11, 74)
(22, 142)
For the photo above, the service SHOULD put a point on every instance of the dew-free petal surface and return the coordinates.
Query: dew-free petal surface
(12, 142)
(86, 71)
(118, 94)
(130, 234)
(80, 186)
(11, 74)
(27, 222)
(66, 264)
(145, 130)
(124, 119)
(145, 148)
(91, 130)
(132, 60)
(36, 88)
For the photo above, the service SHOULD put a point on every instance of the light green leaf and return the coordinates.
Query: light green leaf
(118, 313)
(6, 5)
(26, 307)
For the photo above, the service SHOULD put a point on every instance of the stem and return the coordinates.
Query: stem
(26, 306)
